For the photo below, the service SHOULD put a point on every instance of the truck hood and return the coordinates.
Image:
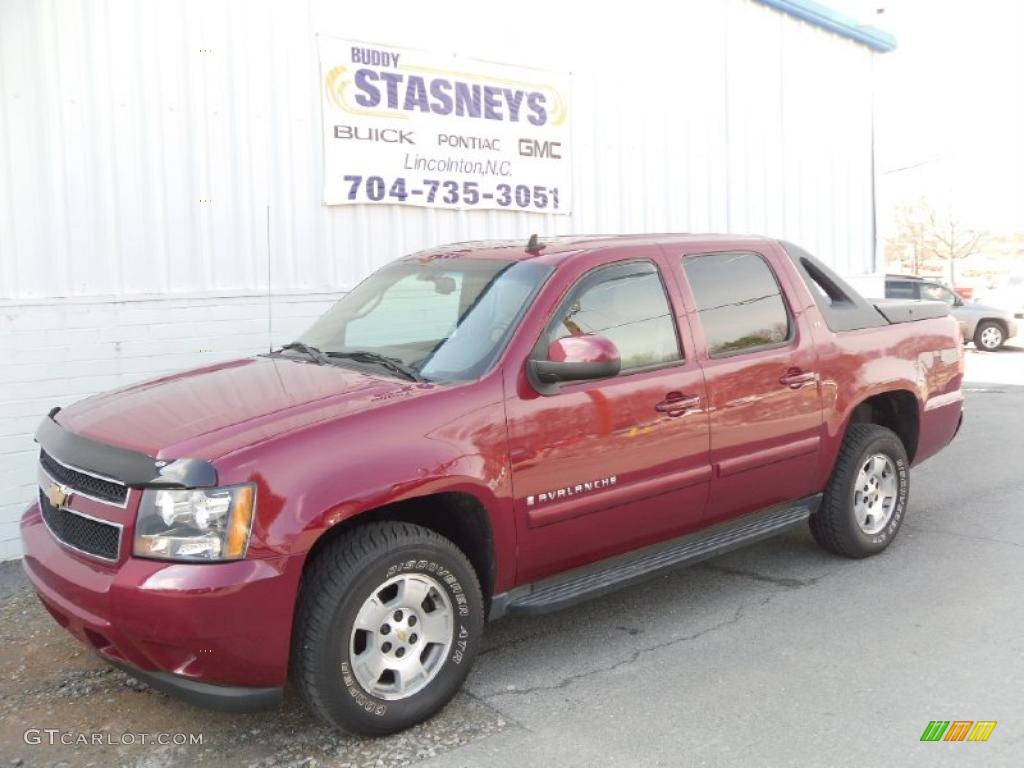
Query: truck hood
(208, 412)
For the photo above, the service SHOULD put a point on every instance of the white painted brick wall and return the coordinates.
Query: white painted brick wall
(57, 351)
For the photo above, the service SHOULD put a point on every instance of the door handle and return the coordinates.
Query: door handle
(676, 404)
(794, 378)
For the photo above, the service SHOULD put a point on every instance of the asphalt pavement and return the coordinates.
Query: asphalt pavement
(776, 655)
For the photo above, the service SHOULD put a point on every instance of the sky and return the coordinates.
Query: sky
(949, 109)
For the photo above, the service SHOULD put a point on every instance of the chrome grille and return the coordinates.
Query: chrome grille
(86, 534)
(82, 482)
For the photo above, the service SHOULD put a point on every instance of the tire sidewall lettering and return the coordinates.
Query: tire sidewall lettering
(442, 574)
(461, 642)
(903, 475)
(362, 699)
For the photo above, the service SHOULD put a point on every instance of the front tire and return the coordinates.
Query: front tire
(866, 498)
(388, 625)
(989, 336)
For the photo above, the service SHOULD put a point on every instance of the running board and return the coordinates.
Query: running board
(606, 576)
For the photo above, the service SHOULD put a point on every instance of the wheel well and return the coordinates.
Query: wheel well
(997, 320)
(459, 517)
(897, 411)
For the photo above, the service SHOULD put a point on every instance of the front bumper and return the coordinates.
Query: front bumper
(225, 698)
(216, 634)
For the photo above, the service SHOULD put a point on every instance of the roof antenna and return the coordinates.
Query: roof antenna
(270, 301)
(535, 245)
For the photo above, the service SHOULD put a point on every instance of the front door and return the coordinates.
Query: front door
(760, 365)
(605, 466)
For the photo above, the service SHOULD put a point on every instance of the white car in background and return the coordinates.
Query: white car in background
(1008, 294)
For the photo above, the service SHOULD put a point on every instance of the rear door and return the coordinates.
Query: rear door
(760, 367)
(609, 465)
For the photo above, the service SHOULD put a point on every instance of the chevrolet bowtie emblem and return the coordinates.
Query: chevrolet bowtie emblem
(58, 495)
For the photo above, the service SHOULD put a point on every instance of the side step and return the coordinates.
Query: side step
(606, 576)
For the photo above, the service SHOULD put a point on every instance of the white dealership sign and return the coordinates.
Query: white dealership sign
(408, 127)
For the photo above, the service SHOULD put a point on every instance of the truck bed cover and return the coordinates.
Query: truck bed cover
(907, 311)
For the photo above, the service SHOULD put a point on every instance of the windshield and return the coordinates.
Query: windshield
(445, 319)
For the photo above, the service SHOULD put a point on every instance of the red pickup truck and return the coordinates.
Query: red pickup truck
(478, 430)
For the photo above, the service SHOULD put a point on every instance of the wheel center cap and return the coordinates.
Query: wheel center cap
(401, 635)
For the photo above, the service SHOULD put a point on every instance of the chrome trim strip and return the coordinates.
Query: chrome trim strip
(108, 502)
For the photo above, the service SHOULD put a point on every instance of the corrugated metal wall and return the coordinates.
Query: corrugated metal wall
(118, 118)
(699, 115)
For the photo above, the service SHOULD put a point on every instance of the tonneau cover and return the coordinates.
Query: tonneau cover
(906, 311)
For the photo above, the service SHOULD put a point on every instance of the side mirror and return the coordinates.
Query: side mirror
(574, 358)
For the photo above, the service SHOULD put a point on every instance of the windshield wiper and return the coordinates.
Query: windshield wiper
(313, 353)
(390, 363)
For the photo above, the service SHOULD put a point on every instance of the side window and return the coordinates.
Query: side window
(935, 292)
(900, 289)
(627, 304)
(738, 300)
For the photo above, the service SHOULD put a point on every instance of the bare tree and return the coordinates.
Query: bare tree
(922, 235)
(951, 241)
(908, 244)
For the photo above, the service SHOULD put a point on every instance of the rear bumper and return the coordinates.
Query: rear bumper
(216, 634)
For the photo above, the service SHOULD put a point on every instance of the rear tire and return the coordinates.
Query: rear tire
(387, 627)
(866, 498)
(989, 336)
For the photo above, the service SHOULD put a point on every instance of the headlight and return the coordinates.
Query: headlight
(195, 524)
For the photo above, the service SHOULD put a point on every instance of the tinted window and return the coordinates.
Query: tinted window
(738, 300)
(900, 289)
(627, 304)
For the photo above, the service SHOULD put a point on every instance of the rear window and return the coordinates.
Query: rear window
(900, 289)
(738, 300)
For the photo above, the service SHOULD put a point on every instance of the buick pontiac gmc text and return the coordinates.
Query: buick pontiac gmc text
(478, 430)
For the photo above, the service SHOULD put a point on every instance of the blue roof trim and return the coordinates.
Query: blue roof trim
(833, 21)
